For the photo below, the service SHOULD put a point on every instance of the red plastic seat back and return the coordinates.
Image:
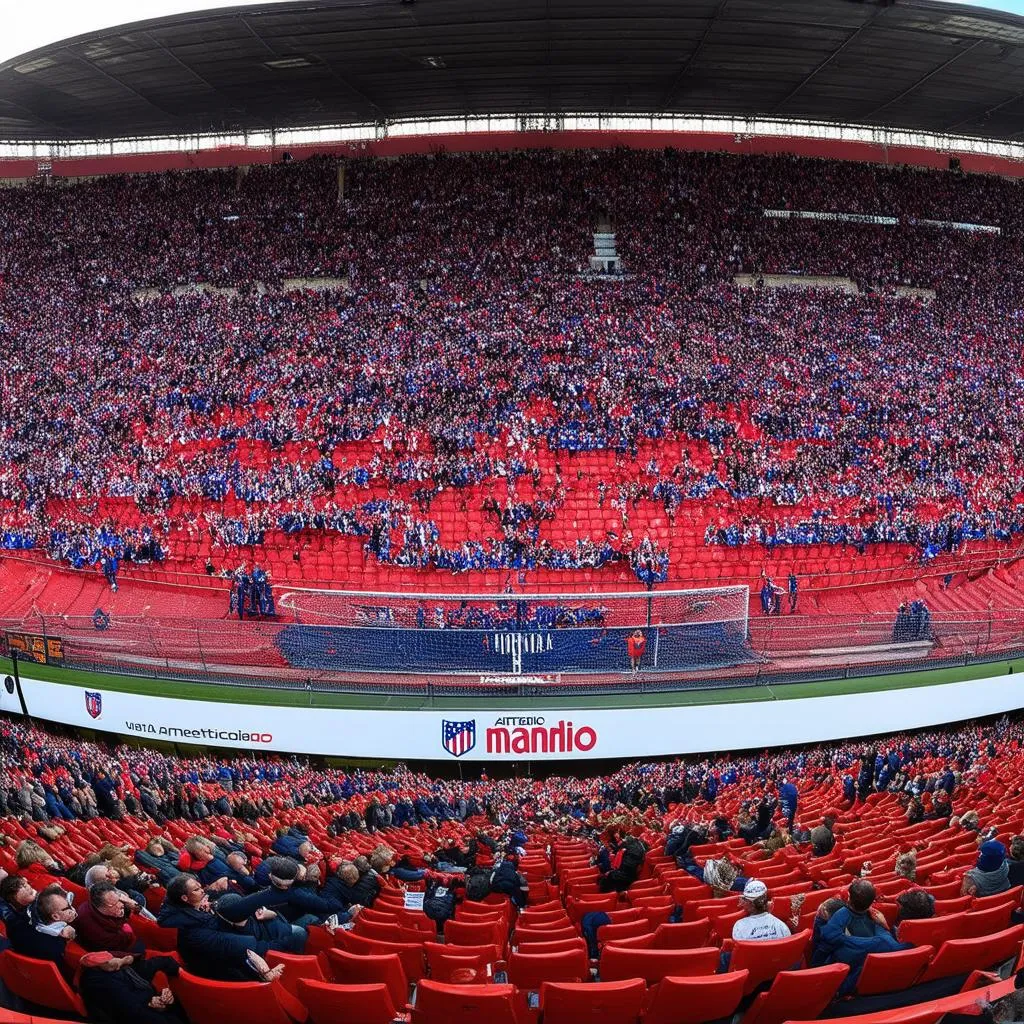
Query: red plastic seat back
(695, 1000)
(652, 965)
(436, 950)
(931, 931)
(611, 1002)
(410, 953)
(765, 959)
(39, 982)
(213, 1002)
(892, 972)
(353, 1004)
(961, 956)
(797, 995)
(470, 1004)
(529, 970)
(359, 969)
(296, 966)
(684, 935)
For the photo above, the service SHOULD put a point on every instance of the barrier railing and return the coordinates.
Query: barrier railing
(255, 653)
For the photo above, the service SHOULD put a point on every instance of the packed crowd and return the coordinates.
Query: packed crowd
(226, 857)
(467, 350)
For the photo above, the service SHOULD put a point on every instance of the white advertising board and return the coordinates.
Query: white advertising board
(541, 734)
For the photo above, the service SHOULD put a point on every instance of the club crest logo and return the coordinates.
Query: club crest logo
(458, 738)
(94, 703)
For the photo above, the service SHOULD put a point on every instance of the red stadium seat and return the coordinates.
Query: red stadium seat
(797, 995)
(654, 964)
(466, 1004)
(359, 969)
(295, 968)
(468, 933)
(213, 1002)
(346, 1004)
(763, 960)
(411, 954)
(435, 951)
(890, 972)
(612, 1002)
(39, 982)
(695, 1000)
(527, 970)
(962, 956)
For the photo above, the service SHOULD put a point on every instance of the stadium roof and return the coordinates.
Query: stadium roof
(923, 65)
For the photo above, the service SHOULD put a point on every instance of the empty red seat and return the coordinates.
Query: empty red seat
(890, 972)
(213, 1002)
(346, 1004)
(765, 959)
(39, 982)
(360, 969)
(295, 968)
(528, 970)
(695, 1000)
(797, 995)
(618, 964)
(466, 1004)
(436, 951)
(468, 933)
(609, 1002)
(410, 953)
(931, 931)
(961, 956)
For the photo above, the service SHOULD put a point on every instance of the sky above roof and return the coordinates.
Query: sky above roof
(27, 26)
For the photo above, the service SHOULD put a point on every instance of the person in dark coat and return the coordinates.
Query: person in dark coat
(349, 887)
(120, 989)
(292, 898)
(44, 931)
(206, 949)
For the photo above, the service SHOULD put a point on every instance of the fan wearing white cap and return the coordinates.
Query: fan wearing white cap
(758, 925)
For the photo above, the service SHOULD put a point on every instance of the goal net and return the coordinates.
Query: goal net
(535, 634)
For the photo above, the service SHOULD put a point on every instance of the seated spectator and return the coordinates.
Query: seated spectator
(1015, 862)
(759, 924)
(104, 921)
(721, 875)
(854, 931)
(45, 931)
(349, 887)
(819, 952)
(294, 897)
(991, 874)
(914, 905)
(119, 989)
(506, 879)
(206, 949)
(16, 896)
(906, 866)
(36, 865)
(262, 923)
(822, 841)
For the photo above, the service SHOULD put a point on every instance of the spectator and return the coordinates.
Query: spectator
(854, 931)
(104, 921)
(991, 874)
(120, 989)
(204, 947)
(759, 924)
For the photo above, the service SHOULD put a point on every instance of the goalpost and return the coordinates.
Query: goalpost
(494, 635)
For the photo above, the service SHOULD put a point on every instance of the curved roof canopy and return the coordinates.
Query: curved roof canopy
(908, 64)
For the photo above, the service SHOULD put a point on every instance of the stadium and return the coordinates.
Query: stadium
(511, 513)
